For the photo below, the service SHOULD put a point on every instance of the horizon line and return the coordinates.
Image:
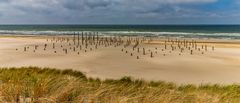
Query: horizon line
(123, 24)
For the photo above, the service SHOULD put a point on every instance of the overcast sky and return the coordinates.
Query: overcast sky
(119, 11)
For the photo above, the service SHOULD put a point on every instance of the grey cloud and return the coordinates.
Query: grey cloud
(98, 3)
(99, 11)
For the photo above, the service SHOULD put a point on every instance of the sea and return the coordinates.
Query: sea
(179, 31)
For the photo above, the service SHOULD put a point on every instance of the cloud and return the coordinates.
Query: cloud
(190, 1)
(103, 11)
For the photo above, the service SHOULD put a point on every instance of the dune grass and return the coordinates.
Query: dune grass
(46, 85)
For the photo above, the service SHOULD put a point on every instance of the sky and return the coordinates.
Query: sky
(119, 11)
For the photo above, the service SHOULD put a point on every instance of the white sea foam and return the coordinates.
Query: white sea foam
(174, 34)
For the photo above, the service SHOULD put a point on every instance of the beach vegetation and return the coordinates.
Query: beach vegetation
(49, 85)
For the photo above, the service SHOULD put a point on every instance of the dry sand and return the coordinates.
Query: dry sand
(219, 66)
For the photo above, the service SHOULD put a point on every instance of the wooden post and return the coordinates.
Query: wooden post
(74, 38)
(53, 45)
(143, 51)
(94, 37)
(97, 37)
(86, 41)
(96, 46)
(82, 38)
(165, 46)
(78, 39)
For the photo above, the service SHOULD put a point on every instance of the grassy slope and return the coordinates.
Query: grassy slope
(32, 84)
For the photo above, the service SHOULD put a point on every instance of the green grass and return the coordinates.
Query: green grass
(46, 85)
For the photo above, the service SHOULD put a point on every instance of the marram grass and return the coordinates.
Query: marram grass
(46, 85)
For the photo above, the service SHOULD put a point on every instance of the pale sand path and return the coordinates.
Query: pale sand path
(221, 66)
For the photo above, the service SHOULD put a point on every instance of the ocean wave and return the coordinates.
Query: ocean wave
(173, 33)
(145, 33)
(35, 32)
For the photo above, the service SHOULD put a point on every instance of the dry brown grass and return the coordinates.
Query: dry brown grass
(45, 85)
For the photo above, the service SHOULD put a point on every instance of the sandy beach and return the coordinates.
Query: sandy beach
(221, 65)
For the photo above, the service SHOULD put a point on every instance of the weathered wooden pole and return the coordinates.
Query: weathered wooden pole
(78, 39)
(25, 49)
(97, 37)
(74, 38)
(66, 51)
(53, 45)
(144, 51)
(94, 34)
(137, 57)
(82, 38)
(86, 41)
